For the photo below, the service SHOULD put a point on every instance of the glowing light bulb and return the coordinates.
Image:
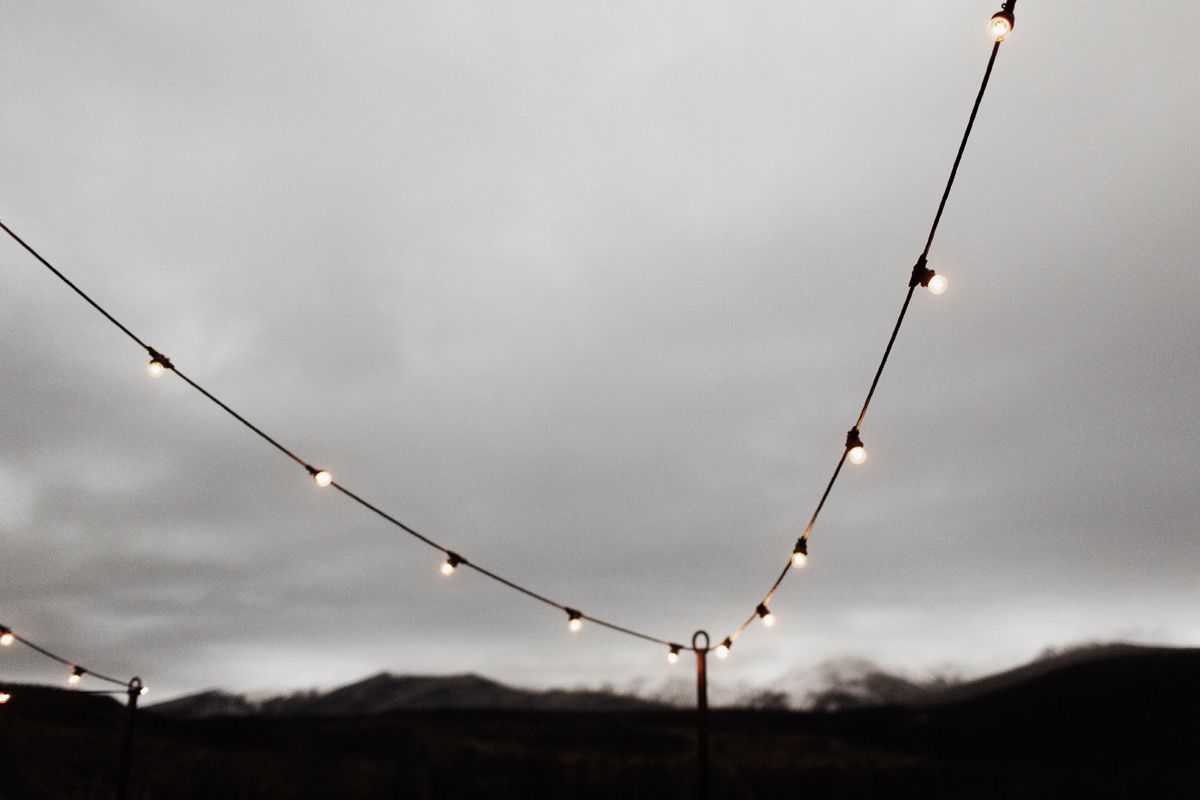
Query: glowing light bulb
(673, 656)
(323, 478)
(574, 620)
(156, 369)
(854, 447)
(452, 562)
(447, 568)
(767, 617)
(76, 674)
(723, 649)
(937, 284)
(1000, 26)
(145, 690)
(800, 554)
(4, 697)
(6, 637)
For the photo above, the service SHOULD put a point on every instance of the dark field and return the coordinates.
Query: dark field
(1123, 726)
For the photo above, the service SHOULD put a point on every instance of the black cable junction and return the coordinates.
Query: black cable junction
(999, 27)
(78, 672)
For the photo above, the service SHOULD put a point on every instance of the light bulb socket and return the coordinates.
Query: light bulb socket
(727, 643)
(573, 615)
(852, 439)
(921, 274)
(453, 559)
(675, 648)
(801, 547)
(762, 610)
(157, 357)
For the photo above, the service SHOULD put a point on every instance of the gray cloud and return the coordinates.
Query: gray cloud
(592, 295)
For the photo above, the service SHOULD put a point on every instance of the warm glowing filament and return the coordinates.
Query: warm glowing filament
(768, 619)
(323, 478)
(145, 690)
(6, 638)
(74, 679)
(937, 284)
(722, 650)
(575, 624)
(156, 369)
(447, 568)
(672, 657)
(999, 28)
(4, 698)
(858, 454)
(799, 560)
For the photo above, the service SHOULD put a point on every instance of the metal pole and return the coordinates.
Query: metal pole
(701, 715)
(134, 692)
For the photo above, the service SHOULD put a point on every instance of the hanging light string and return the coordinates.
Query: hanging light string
(159, 364)
(8, 636)
(999, 27)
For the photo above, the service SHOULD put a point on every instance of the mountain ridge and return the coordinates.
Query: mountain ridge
(386, 692)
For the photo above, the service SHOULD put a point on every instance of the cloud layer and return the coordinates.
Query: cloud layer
(592, 296)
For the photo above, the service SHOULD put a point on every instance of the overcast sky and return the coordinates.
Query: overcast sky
(591, 294)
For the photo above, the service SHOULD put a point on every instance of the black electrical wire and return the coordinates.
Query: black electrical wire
(912, 285)
(168, 365)
(75, 665)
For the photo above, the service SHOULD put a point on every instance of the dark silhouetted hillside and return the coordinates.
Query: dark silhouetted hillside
(1108, 723)
(384, 693)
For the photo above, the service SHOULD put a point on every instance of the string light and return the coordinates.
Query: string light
(4, 697)
(7, 637)
(673, 656)
(999, 27)
(1002, 22)
(145, 690)
(158, 363)
(854, 447)
(800, 554)
(922, 275)
(451, 563)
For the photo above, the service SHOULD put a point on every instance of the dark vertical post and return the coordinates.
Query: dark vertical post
(134, 692)
(701, 715)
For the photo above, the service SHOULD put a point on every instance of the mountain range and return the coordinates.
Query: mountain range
(1115, 721)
